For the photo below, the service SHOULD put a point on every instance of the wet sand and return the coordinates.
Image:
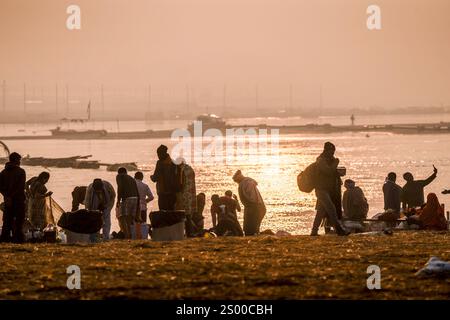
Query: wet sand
(264, 267)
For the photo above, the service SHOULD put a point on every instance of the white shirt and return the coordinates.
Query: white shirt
(144, 193)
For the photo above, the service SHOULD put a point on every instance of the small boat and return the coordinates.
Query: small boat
(209, 121)
(75, 134)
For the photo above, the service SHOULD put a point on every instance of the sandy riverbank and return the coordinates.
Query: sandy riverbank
(265, 267)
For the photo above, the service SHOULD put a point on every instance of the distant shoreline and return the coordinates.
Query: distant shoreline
(43, 118)
(418, 128)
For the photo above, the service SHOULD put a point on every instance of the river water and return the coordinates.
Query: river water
(367, 159)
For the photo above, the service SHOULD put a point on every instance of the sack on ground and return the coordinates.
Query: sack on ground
(82, 221)
(160, 219)
(435, 267)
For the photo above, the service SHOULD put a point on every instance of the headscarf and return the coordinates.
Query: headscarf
(432, 215)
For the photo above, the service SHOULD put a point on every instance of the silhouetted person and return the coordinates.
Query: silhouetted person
(392, 194)
(352, 118)
(127, 201)
(12, 187)
(431, 216)
(100, 195)
(198, 217)
(186, 198)
(354, 201)
(165, 176)
(38, 194)
(229, 227)
(145, 195)
(326, 190)
(215, 210)
(233, 200)
(254, 207)
(228, 223)
(413, 191)
(78, 196)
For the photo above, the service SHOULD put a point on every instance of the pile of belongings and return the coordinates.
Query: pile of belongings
(82, 221)
(161, 219)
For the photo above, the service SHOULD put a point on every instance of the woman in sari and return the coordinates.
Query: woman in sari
(187, 197)
(38, 192)
(431, 216)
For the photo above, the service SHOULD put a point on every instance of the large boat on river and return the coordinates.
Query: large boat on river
(207, 121)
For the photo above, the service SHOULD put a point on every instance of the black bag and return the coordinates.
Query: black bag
(82, 221)
(161, 219)
(306, 180)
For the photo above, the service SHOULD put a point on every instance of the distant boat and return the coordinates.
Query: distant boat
(77, 134)
(209, 121)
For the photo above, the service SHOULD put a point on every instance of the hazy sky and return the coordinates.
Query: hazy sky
(206, 43)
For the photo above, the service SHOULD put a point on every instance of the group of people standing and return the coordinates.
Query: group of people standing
(176, 190)
(409, 200)
(224, 209)
(23, 200)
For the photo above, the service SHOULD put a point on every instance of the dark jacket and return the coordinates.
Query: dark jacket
(12, 182)
(230, 208)
(413, 194)
(126, 187)
(392, 196)
(327, 175)
(355, 204)
(165, 176)
(78, 196)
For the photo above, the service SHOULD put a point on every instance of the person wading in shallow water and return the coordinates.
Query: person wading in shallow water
(254, 207)
(327, 175)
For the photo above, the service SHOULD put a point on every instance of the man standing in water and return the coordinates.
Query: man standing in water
(254, 207)
(327, 176)
(413, 193)
(12, 187)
